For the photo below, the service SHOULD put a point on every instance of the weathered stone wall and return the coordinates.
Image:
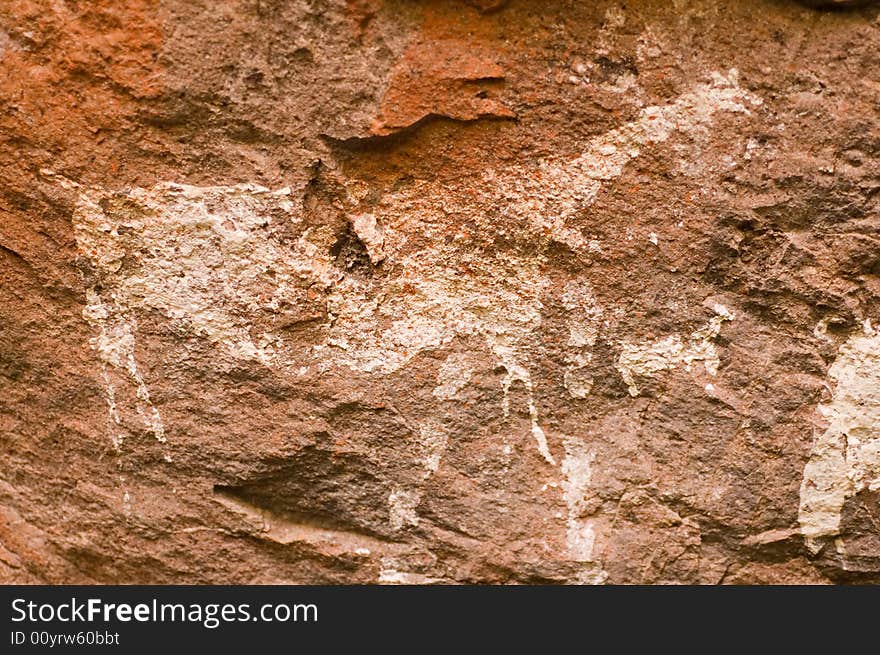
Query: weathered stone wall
(415, 291)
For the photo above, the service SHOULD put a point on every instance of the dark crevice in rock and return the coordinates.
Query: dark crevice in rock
(378, 142)
(350, 254)
(321, 489)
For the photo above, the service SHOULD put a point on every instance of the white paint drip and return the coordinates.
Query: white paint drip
(845, 458)
(115, 346)
(648, 359)
(116, 438)
(514, 372)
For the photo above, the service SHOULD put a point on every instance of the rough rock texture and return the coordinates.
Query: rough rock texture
(429, 291)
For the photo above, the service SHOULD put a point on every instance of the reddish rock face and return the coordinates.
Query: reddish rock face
(488, 292)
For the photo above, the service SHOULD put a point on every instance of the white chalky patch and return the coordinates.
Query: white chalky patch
(169, 249)
(115, 347)
(201, 258)
(649, 359)
(403, 501)
(371, 235)
(577, 467)
(583, 318)
(390, 573)
(453, 376)
(402, 505)
(434, 440)
(845, 458)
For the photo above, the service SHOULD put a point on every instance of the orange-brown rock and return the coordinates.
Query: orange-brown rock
(363, 291)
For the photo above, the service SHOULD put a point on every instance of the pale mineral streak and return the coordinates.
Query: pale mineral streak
(577, 467)
(391, 573)
(845, 458)
(115, 346)
(453, 376)
(559, 188)
(584, 314)
(403, 502)
(647, 359)
(402, 505)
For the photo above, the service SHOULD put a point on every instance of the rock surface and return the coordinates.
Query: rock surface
(390, 291)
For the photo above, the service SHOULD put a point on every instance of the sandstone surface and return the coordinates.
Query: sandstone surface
(398, 291)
